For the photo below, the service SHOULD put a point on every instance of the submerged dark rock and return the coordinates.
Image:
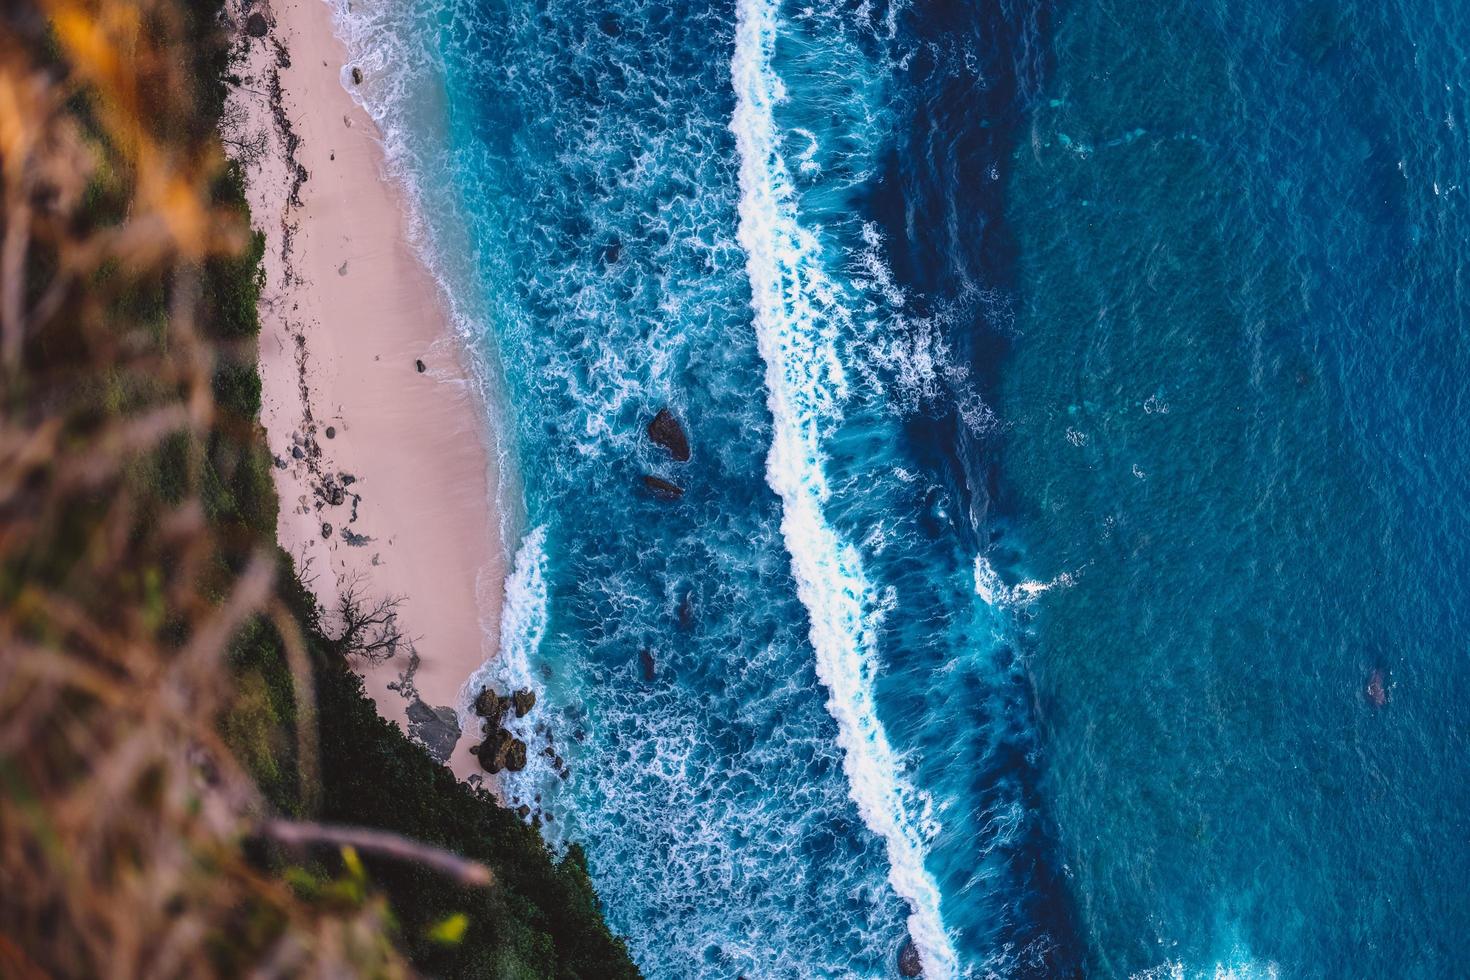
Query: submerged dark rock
(666, 431)
(909, 964)
(256, 26)
(436, 729)
(1377, 691)
(662, 489)
(645, 661)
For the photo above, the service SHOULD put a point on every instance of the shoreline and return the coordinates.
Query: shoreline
(383, 461)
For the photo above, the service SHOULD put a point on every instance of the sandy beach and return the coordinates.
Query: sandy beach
(382, 462)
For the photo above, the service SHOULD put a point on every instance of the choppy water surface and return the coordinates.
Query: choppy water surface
(1077, 402)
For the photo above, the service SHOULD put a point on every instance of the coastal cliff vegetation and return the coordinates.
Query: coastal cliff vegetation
(192, 781)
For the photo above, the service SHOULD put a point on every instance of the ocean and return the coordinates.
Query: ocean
(1069, 573)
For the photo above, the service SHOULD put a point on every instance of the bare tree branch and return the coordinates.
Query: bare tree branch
(369, 630)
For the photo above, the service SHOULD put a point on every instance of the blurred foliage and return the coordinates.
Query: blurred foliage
(166, 696)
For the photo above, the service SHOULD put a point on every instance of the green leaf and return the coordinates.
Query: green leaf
(450, 930)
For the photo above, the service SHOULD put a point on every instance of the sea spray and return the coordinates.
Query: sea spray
(522, 626)
(796, 319)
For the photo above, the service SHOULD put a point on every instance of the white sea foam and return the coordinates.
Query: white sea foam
(995, 593)
(1236, 969)
(522, 625)
(797, 320)
(392, 44)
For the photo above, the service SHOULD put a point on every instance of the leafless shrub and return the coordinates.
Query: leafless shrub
(367, 629)
(246, 145)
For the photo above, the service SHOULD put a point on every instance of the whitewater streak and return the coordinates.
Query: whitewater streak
(797, 319)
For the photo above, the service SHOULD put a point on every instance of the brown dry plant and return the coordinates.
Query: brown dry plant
(130, 837)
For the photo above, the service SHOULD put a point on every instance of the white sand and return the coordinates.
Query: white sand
(347, 310)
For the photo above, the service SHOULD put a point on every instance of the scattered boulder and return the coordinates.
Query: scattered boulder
(666, 431)
(436, 729)
(909, 964)
(356, 75)
(515, 759)
(491, 707)
(256, 26)
(524, 701)
(418, 363)
(645, 660)
(523, 811)
(662, 489)
(326, 530)
(331, 432)
(501, 751)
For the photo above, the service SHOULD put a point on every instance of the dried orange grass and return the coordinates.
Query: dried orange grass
(123, 817)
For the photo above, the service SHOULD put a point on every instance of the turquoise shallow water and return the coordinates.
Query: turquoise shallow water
(1077, 395)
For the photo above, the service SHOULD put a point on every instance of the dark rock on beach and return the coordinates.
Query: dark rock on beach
(256, 26)
(326, 530)
(502, 751)
(662, 489)
(333, 494)
(491, 707)
(436, 729)
(666, 431)
(356, 75)
(420, 365)
(909, 964)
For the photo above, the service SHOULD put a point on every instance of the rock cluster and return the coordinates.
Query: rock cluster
(666, 431)
(501, 750)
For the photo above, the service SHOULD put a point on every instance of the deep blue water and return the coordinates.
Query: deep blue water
(1077, 394)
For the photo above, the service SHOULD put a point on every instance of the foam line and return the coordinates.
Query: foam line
(797, 320)
(522, 624)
